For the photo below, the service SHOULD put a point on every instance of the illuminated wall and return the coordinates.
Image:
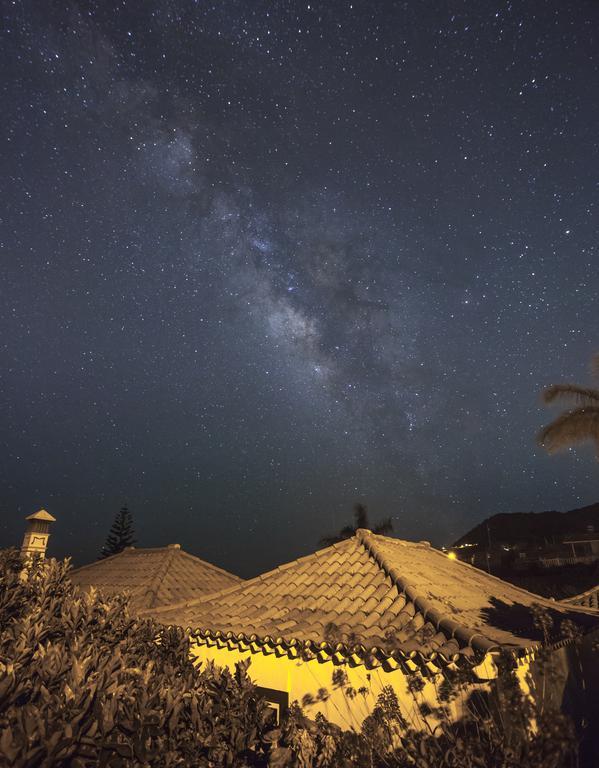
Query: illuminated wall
(299, 678)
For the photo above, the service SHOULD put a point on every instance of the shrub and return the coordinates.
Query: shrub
(82, 682)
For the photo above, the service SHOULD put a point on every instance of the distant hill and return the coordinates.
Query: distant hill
(510, 528)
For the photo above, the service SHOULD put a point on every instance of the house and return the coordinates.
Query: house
(332, 629)
(584, 546)
(154, 577)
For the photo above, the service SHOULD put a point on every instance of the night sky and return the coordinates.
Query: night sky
(261, 260)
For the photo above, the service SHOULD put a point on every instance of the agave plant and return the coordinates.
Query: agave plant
(576, 425)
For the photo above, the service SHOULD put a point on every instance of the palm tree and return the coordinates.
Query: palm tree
(576, 425)
(361, 517)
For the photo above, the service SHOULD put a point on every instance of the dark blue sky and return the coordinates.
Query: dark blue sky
(262, 260)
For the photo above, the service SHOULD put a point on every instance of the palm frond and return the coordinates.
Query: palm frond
(581, 395)
(345, 533)
(383, 527)
(571, 428)
(361, 515)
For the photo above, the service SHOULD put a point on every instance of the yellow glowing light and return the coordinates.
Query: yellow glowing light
(452, 556)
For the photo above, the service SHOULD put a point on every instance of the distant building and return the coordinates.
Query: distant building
(502, 543)
(585, 546)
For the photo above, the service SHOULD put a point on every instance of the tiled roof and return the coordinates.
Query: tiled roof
(41, 515)
(154, 577)
(373, 595)
(588, 599)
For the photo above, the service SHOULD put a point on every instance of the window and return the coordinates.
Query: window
(277, 700)
(583, 548)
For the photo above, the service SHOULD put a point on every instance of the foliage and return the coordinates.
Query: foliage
(121, 534)
(360, 512)
(84, 683)
(576, 425)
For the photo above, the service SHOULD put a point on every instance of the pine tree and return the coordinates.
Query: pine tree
(121, 534)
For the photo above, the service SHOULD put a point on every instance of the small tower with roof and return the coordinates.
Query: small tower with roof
(37, 533)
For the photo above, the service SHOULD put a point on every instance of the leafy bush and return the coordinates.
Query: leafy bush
(82, 683)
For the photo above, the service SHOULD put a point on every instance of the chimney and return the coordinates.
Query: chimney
(37, 534)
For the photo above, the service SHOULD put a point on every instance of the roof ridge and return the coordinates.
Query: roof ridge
(154, 585)
(442, 622)
(141, 550)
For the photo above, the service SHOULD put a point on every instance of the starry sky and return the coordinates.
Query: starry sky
(262, 260)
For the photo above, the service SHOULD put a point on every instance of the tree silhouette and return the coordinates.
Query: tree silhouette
(360, 511)
(121, 534)
(577, 424)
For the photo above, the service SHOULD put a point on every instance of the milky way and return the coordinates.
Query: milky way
(262, 260)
